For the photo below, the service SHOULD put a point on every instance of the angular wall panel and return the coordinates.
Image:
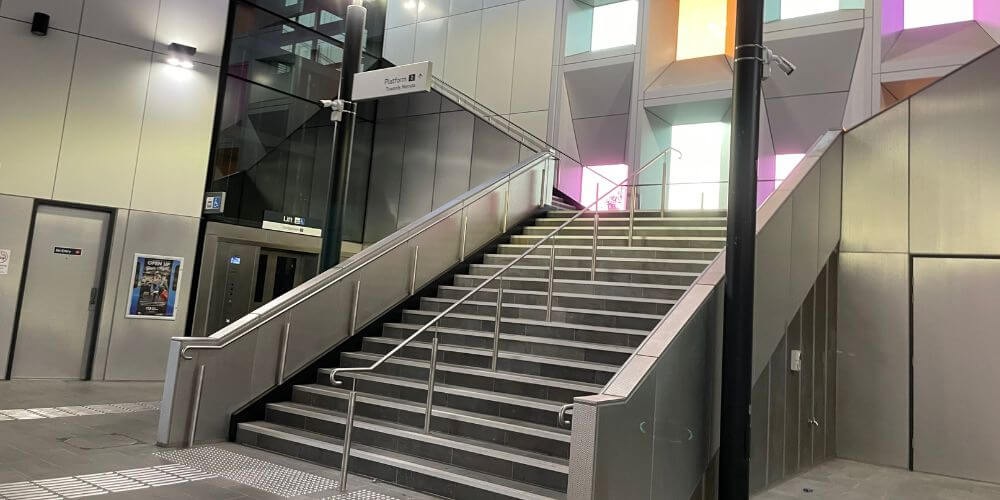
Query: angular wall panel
(33, 94)
(131, 22)
(103, 120)
(533, 55)
(461, 61)
(496, 48)
(796, 122)
(174, 146)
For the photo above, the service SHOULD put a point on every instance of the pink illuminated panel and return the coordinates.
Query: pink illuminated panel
(598, 180)
(920, 13)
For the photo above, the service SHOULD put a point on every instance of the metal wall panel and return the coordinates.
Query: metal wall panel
(806, 377)
(14, 226)
(759, 431)
(195, 23)
(387, 171)
(419, 160)
(954, 181)
(776, 414)
(485, 220)
(493, 152)
(328, 311)
(876, 171)
(830, 196)
(628, 449)
(536, 22)
(461, 60)
(873, 358)
(115, 259)
(525, 191)
(398, 45)
(454, 156)
(438, 248)
(138, 348)
(955, 341)
(771, 297)
(383, 285)
(792, 398)
(103, 118)
(128, 22)
(831, 356)
(820, 373)
(496, 45)
(805, 234)
(398, 13)
(429, 44)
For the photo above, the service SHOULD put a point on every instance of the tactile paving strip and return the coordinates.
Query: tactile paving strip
(272, 478)
(361, 495)
(76, 411)
(89, 485)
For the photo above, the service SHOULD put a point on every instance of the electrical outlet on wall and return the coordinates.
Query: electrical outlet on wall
(795, 364)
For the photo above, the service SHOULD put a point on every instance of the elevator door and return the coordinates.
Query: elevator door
(955, 371)
(59, 306)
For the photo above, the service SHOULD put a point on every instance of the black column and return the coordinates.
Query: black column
(737, 341)
(333, 229)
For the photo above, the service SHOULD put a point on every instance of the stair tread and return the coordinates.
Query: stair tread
(635, 237)
(644, 226)
(498, 422)
(554, 308)
(617, 298)
(467, 444)
(603, 218)
(588, 365)
(591, 282)
(606, 259)
(430, 468)
(498, 397)
(537, 322)
(607, 247)
(484, 372)
(599, 269)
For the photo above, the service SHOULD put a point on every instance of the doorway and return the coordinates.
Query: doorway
(59, 307)
(955, 374)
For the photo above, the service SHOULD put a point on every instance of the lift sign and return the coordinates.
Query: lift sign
(68, 251)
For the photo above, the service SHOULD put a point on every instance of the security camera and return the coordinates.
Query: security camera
(784, 65)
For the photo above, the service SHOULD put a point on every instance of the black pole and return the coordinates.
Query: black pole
(737, 340)
(333, 230)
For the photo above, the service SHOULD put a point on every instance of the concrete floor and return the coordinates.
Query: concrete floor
(46, 448)
(846, 480)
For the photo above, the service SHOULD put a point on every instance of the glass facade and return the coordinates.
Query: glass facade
(701, 28)
(273, 142)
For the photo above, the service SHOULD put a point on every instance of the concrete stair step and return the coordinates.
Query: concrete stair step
(568, 300)
(702, 242)
(481, 456)
(587, 250)
(601, 274)
(445, 480)
(613, 263)
(534, 386)
(647, 290)
(536, 328)
(584, 316)
(540, 438)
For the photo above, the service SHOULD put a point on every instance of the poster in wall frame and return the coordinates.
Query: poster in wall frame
(154, 287)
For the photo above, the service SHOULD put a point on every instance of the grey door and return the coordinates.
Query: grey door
(956, 340)
(235, 268)
(58, 309)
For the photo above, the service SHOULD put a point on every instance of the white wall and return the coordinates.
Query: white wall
(91, 114)
(496, 51)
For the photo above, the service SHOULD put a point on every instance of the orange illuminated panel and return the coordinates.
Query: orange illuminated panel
(702, 28)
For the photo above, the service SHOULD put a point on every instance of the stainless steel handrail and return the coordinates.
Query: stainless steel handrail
(457, 204)
(499, 274)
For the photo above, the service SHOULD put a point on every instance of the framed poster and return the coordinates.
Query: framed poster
(154, 285)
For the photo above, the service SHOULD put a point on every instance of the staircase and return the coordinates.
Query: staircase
(494, 434)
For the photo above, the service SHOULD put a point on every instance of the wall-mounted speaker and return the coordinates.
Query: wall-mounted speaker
(40, 24)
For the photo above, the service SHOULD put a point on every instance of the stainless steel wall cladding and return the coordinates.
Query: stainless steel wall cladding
(251, 356)
(656, 429)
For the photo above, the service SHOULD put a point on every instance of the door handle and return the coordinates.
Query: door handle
(93, 297)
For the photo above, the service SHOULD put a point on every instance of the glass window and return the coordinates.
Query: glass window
(783, 165)
(920, 13)
(701, 28)
(615, 25)
(696, 177)
(598, 180)
(799, 8)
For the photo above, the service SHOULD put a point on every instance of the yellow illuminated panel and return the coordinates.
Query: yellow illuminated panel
(701, 28)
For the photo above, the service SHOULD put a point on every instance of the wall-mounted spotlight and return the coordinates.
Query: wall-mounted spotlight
(40, 24)
(181, 55)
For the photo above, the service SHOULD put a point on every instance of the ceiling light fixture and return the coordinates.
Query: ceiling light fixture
(181, 55)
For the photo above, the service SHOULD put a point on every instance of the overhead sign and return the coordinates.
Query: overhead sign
(215, 202)
(405, 79)
(291, 224)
